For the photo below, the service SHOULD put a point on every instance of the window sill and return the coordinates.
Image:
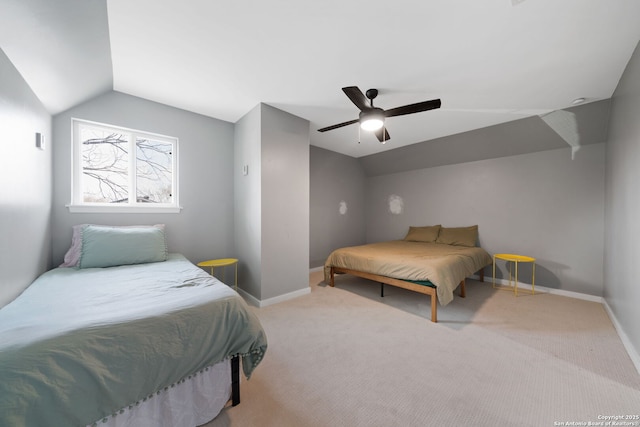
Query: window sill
(122, 209)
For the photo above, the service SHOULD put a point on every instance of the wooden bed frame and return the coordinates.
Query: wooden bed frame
(423, 289)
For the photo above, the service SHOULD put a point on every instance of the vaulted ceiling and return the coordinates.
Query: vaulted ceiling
(489, 61)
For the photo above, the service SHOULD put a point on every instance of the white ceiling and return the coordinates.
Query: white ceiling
(489, 61)
(60, 47)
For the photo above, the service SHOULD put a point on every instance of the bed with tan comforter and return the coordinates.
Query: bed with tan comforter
(430, 267)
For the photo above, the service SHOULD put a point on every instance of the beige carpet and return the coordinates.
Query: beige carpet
(344, 356)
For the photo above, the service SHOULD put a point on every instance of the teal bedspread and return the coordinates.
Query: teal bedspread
(80, 345)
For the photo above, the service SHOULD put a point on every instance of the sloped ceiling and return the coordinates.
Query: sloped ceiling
(489, 61)
(60, 47)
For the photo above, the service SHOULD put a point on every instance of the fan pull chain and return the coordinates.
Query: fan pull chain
(358, 133)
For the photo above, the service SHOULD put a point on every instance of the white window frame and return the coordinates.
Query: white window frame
(78, 205)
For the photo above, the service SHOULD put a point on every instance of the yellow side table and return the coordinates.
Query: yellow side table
(223, 262)
(515, 259)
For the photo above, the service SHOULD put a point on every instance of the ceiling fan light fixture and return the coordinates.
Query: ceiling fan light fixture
(372, 120)
(372, 124)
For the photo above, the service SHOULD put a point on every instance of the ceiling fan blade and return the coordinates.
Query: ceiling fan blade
(413, 108)
(382, 134)
(356, 96)
(339, 125)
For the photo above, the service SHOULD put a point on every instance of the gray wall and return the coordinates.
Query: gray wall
(25, 193)
(204, 228)
(337, 203)
(534, 186)
(545, 204)
(272, 202)
(285, 202)
(622, 247)
(248, 201)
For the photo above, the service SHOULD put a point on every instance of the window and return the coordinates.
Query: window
(122, 170)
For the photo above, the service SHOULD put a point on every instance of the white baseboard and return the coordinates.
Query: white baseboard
(633, 353)
(249, 298)
(314, 269)
(544, 290)
(270, 301)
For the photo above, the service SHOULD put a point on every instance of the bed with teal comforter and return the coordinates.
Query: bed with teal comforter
(79, 345)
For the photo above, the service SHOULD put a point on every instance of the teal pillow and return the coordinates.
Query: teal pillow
(104, 246)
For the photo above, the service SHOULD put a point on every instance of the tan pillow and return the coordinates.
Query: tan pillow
(423, 234)
(460, 236)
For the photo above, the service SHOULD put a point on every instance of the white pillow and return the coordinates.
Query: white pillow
(72, 256)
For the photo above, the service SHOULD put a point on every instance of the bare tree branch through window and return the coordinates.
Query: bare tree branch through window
(107, 168)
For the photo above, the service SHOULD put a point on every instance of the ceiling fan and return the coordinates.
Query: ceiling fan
(372, 118)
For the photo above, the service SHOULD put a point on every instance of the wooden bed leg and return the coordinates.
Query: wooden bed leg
(481, 274)
(235, 380)
(463, 291)
(331, 283)
(381, 290)
(434, 309)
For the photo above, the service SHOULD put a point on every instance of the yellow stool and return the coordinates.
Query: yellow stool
(515, 259)
(223, 262)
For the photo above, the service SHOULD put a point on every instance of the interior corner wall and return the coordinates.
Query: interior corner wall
(337, 211)
(204, 227)
(285, 202)
(25, 193)
(548, 205)
(247, 203)
(271, 202)
(622, 244)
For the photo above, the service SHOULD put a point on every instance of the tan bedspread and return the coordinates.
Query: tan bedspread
(443, 265)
